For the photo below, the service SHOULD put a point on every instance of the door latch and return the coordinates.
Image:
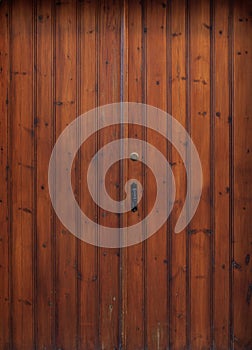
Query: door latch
(133, 188)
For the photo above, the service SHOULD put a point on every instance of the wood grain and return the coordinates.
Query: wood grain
(242, 168)
(134, 274)
(88, 262)
(59, 59)
(4, 183)
(156, 270)
(44, 123)
(109, 92)
(221, 177)
(200, 229)
(179, 241)
(22, 174)
(66, 110)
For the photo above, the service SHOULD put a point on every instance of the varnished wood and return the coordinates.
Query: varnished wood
(192, 290)
(44, 124)
(88, 261)
(178, 256)
(200, 233)
(65, 111)
(156, 270)
(5, 336)
(22, 212)
(242, 168)
(134, 274)
(109, 84)
(221, 182)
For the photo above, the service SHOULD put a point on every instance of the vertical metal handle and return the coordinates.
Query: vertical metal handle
(133, 188)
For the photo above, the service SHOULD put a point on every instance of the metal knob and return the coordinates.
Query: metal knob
(134, 156)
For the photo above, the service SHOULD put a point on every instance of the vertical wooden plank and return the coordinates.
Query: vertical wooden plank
(44, 139)
(123, 167)
(4, 220)
(179, 244)
(220, 114)
(89, 297)
(156, 246)
(66, 257)
(200, 230)
(109, 92)
(242, 148)
(22, 172)
(134, 274)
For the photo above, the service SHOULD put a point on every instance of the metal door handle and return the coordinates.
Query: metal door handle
(133, 188)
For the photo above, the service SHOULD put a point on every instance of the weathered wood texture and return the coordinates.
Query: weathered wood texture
(59, 59)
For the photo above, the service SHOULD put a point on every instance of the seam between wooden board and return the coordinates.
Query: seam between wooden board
(231, 168)
(212, 163)
(188, 128)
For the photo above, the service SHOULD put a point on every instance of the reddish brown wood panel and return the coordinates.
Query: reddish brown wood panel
(192, 290)
(134, 320)
(200, 230)
(221, 135)
(109, 87)
(65, 102)
(241, 167)
(88, 254)
(44, 114)
(5, 277)
(179, 243)
(22, 176)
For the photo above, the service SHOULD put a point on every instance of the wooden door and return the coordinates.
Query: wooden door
(191, 59)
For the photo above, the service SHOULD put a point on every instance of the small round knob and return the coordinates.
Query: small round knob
(134, 156)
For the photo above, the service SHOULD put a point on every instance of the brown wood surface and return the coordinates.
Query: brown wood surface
(220, 112)
(178, 255)
(88, 254)
(44, 114)
(134, 319)
(156, 247)
(109, 84)
(192, 290)
(242, 167)
(22, 180)
(4, 183)
(200, 230)
(65, 103)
